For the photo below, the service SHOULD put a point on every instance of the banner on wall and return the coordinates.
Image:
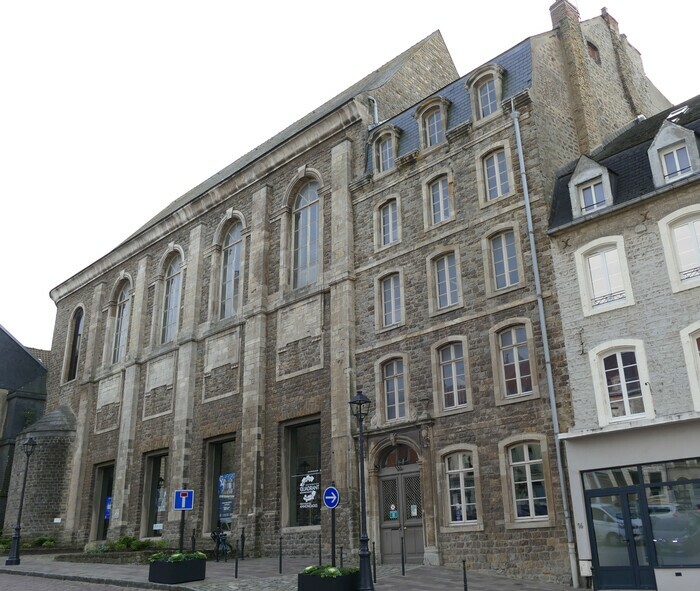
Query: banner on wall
(227, 492)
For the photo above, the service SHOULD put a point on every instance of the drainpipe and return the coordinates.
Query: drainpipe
(375, 111)
(573, 562)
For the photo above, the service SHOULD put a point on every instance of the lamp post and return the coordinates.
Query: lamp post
(13, 558)
(360, 407)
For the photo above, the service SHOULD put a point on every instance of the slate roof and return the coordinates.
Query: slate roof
(19, 369)
(625, 156)
(517, 63)
(368, 83)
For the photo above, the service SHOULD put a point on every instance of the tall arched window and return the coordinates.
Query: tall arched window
(306, 224)
(121, 323)
(171, 301)
(76, 337)
(230, 271)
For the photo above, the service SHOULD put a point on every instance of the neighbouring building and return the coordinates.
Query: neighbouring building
(22, 400)
(395, 239)
(625, 229)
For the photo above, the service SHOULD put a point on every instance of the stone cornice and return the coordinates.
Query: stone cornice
(340, 119)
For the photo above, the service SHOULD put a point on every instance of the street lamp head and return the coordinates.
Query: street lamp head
(28, 446)
(360, 404)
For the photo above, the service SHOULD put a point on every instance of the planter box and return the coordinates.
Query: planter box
(172, 573)
(342, 583)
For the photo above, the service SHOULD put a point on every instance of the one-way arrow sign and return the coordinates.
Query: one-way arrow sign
(331, 498)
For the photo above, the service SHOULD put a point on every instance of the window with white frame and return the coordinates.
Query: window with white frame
(453, 383)
(592, 196)
(504, 258)
(389, 222)
(446, 282)
(496, 174)
(487, 97)
(603, 275)
(690, 340)
(393, 389)
(461, 485)
(171, 299)
(514, 358)
(391, 300)
(527, 479)
(385, 153)
(434, 127)
(121, 323)
(305, 219)
(230, 270)
(675, 162)
(686, 239)
(622, 384)
(439, 200)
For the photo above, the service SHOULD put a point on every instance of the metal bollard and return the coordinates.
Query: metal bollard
(403, 558)
(341, 557)
(374, 562)
(319, 550)
(235, 574)
(464, 573)
(243, 543)
(194, 540)
(280, 554)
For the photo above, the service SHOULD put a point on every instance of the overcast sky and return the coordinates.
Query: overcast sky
(111, 110)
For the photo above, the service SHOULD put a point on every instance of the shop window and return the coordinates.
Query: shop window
(304, 469)
(222, 485)
(156, 495)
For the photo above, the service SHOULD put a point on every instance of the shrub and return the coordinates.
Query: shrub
(99, 549)
(176, 556)
(328, 571)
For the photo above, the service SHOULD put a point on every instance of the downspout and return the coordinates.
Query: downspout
(573, 562)
(375, 112)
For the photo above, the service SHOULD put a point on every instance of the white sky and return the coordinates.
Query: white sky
(111, 110)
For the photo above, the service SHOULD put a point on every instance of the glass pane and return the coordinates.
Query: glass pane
(608, 530)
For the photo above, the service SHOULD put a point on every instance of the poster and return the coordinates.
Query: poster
(309, 497)
(227, 493)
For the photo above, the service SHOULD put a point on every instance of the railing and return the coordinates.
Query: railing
(608, 297)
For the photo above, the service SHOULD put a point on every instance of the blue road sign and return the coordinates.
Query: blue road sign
(183, 500)
(331, 498)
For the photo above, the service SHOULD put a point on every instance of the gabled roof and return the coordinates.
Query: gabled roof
(19, 369)
(625, 155)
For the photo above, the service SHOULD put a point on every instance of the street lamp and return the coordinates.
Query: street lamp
(13, 558)
(360, 407)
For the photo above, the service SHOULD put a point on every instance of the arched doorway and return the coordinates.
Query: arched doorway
(400, 505)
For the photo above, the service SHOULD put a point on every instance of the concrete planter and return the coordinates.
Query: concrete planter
(172, 573)
(315, 583)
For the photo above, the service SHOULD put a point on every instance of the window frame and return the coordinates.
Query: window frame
(380, 320)
(122, 320)
(489, 73)
(481, 175)
(313, 227)
(287, 475)
(446, 194)
(667, 226)
(690, 341)
(588, 173)
(383, 164)
(512, 521)
(439, 408)
(443, 488)
(172, 292)
(434, 307)
(680, 171)
(73, 344)
(492, 288)
(582, 256)
(500, 167)
(381, 399)
(596, 358)
(498, 369)
(211, 496)
(435, 105)
(379, 223)
(234, 285)
(148, 492)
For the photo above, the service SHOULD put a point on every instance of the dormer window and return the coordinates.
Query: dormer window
(487, 98)
(384, 148)
(485, 87)
(590, 188)
(675, 162)
(432, 119)
(673, 155)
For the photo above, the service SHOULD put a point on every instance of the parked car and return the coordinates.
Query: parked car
(675, 537)
(609, 524)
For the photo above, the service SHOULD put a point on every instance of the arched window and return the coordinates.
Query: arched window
(516, 372)
(121, 323)
(76, 337)
(306, 225)
(230, 270)
(171, 299)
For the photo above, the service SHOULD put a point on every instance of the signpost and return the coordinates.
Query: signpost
(331, 499)
(183, 500)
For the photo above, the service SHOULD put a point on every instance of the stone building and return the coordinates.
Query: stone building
(625, 230)
(395, 239)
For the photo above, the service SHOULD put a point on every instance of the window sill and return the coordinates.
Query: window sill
(534, 523)
(458, 528)
(514, 399)
(446, 309)
(484, 200)
(446, 412)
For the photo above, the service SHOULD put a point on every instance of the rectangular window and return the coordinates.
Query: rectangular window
(461, 483)
(433, 127)
(446, 281)
(454, 385)
(623, 385)
(391, 300)
(515, 361)
(686, 237)
(592, 196)
(390, 222)
(386, 154)
(394, 390)
(304, 452)
(496, 174)
(156, 497)
(505, 260)
(487, 98)
(439, 200)
(527, 477)
(676, 162)
(605, 275)
(222, 483)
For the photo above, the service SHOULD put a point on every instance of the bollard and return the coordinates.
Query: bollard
(319, 550)
(464, 573)
(194, 540)
(280, 554)
(403, 558)
(243, 543)
(341, 557)
(374, 562)
(235, 573)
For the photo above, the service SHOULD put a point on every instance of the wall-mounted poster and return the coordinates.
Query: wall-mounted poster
(227, 492)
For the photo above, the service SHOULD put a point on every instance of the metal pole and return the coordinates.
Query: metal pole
(364, 554)
(403, 558)
(243, 543)
(235, 574)
(320, 559)
(464, 573)
(182, 530)
(13, 557)
(280, 554)
(332, 537)
(374, 562)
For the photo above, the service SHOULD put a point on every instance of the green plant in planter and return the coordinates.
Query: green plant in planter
(177, 567)
(176, 556)
(328, 578)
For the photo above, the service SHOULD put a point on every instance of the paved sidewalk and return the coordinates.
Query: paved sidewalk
(262, 574)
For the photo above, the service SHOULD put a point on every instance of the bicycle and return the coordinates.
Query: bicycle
(221, 545)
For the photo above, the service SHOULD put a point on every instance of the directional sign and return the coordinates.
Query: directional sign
(183, 500)
(331, 498)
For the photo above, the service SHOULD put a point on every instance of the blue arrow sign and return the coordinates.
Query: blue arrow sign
(183, 500)
(331, 498)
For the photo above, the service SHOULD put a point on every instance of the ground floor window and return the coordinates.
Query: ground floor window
(156, 497)
(222, 483)
(304, 469)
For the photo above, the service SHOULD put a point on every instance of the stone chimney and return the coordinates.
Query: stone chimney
(563, 9)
